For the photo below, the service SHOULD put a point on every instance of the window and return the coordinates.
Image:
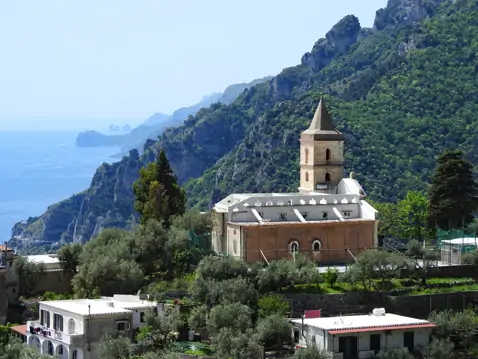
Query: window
(74, 354)
(122, 326)
(58, 322)
(71, 326)
(283, 216)
(60, 349)
(296, 335)
(294, 246)
(45, 318)
(306, 176)
(316, 245)
(141, 317)
(346, 214)
(375, 342)
(409, 341)
(306, 155)
(327, 177)
(325, 215)
(327, 154)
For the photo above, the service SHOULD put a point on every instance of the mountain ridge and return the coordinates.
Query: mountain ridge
(158, 122)
(384, 88)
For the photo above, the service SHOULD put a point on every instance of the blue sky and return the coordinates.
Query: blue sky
(123, 59)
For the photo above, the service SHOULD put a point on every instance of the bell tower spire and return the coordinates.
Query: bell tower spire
(321, 154)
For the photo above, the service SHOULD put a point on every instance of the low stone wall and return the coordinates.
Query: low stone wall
(460, 271)
(420, 306)
(417, 306)
(56, 281)
(335, 304)
(3, 298)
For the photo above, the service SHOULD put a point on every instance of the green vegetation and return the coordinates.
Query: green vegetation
(118, 260)
(158, 195)
(29, 273)
(12, 347)
(451, 204)
(454, 192)
(68, 255)
(241, 310)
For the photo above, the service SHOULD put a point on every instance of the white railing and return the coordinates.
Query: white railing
(50, 333)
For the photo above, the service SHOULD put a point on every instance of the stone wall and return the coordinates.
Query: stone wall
(417, 306)
(3, 298)
(453, 271)
(460, 271)
(335, 304)
(56, 281)
(420, 306)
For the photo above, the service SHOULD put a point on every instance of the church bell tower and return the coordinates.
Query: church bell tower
(321, 154)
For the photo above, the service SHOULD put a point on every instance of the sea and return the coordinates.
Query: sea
(40, 168)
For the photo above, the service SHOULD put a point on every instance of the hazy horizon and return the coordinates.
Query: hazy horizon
(114, 61)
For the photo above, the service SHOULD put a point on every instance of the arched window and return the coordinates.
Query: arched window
(294, 246)
(316, 245)
(74, 354)
(306, 155)
(306, 176)
(71, 326)
(327, 177)
(327, 154)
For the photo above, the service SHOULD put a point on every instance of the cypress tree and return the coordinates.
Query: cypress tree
(158, 194)
(453, 195)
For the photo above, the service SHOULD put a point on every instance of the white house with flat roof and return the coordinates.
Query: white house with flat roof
(49, 261)
(73, 329)
(362, 336)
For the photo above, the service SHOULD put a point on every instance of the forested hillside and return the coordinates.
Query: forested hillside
(402, 93)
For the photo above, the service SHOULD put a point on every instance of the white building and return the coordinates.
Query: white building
(362, 336)
(49, 261)
(73, 329)
(452, 250)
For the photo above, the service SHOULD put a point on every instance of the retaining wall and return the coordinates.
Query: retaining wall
(417, 306)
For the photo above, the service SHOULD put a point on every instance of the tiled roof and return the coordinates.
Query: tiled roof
(20, 329)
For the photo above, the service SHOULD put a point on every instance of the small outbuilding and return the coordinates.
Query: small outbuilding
(362, 336)
(452, 250)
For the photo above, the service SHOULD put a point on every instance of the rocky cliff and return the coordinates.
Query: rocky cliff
(401, 93)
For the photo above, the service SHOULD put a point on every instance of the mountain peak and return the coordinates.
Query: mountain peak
(405, 12)
(336, 42)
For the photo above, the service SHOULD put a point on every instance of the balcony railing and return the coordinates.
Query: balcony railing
(50, 333)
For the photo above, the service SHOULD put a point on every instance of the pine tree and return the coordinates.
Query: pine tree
(453, 195)
(158, 194)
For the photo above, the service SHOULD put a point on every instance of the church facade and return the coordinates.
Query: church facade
(327, 220)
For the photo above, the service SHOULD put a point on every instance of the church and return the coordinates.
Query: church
(327, 220)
